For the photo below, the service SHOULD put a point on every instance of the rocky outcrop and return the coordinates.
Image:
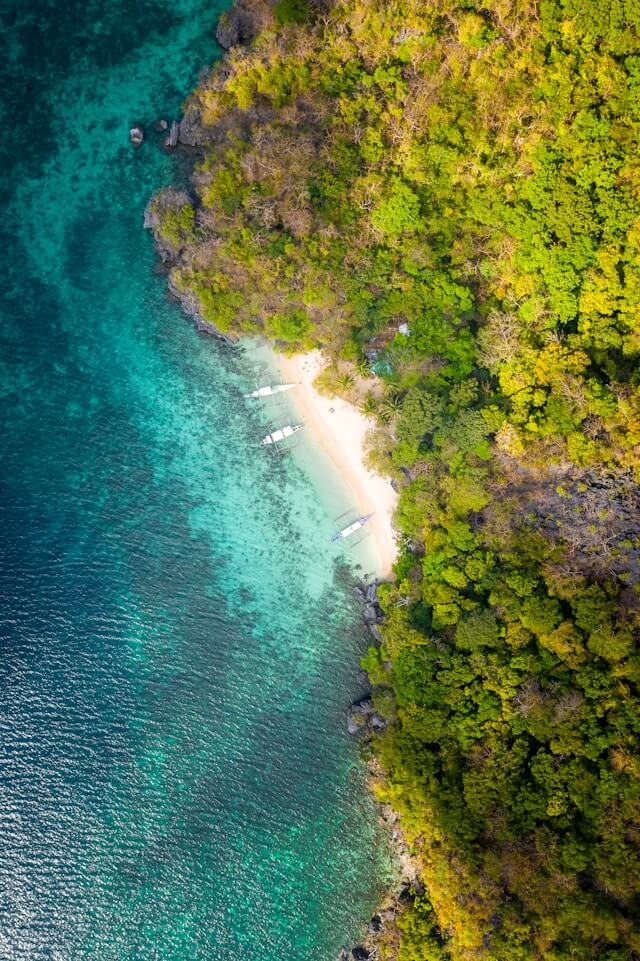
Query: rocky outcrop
(373, 613)
(136, 134)
(382, 935)
(191, 306)
(240, 25)
(364, 720)
(174, 135)
(156, 209)
(190, 130)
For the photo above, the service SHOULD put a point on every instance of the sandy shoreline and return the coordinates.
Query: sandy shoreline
(340, 429)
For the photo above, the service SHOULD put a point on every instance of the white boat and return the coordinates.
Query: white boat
(269, 390)
(281, 434)
(352, 528)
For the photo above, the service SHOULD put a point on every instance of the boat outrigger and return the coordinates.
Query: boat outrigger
(351, 528)
(270, 389)
(276, 436)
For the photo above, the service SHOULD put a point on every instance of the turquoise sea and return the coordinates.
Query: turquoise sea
(178, 641)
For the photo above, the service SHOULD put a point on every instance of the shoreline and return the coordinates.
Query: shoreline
(339, 428)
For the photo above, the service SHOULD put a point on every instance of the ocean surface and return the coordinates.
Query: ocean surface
(178, 640)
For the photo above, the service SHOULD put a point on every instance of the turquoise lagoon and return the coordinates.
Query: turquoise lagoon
(179, 642)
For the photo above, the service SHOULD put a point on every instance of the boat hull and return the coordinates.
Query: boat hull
(270, 390)
(283, 433)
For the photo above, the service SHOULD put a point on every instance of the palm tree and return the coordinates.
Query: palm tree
(369, 405)
(391, 405)
(363, 368)
(345, 382)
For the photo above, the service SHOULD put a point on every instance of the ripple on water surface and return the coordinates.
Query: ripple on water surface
(177, 643)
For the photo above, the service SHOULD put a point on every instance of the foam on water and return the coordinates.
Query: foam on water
(178, 640)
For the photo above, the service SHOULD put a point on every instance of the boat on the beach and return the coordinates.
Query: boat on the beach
(282, 433)
(351, 528)
(270, 389)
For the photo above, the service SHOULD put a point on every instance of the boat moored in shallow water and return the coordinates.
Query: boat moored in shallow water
(351, 528)
(282, 433)
(270, 389)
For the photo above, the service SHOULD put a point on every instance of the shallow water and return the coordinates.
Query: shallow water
(178, 641)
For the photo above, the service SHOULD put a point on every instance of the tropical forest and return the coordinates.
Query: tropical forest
(444, 197)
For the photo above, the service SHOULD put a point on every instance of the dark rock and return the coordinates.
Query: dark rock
(406, 895)
(373, 614)
(375, 924)
(236, 26)
(362, 707)
(389, 815)
(190, 132)
(364, 719)
(378, 723)
(358, 716)
(136, 134)
(370, 613)
(372, 592)
(172, 139)
(190, 305)
(360, 953)
(161, 202)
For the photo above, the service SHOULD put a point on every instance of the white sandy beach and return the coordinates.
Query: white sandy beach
(340, 429)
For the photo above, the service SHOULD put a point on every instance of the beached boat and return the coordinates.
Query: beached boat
(269, 390)
(281, 434)
(351, 528)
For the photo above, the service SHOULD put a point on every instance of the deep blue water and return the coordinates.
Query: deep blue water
(178, 644)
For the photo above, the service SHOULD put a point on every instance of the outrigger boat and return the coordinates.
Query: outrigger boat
(351, 529)
(281, 434)
(270, 389)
